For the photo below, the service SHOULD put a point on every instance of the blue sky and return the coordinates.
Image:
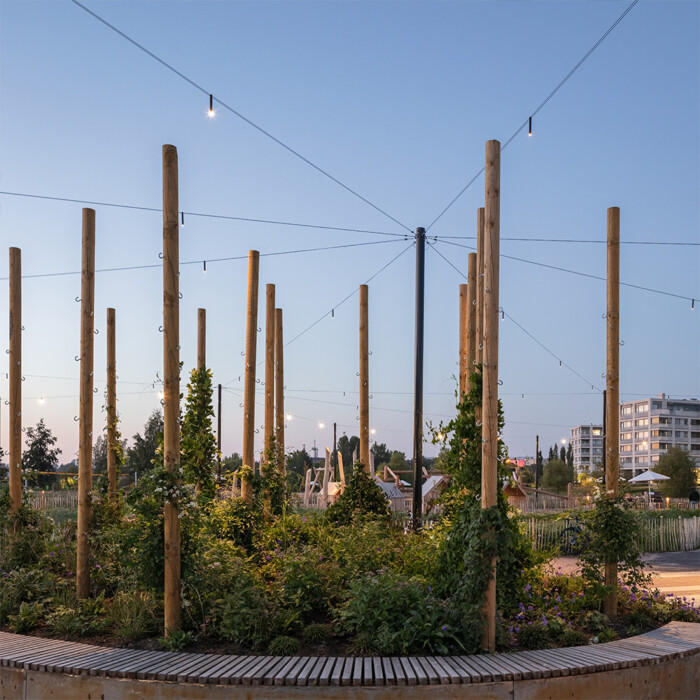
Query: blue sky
(396, 100)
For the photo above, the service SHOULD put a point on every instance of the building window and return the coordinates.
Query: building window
(661, 420)
(625, 424)
(655, 405)
(626, 410)
(641, 422)
(597, 431)
(625, 436)
(681, 434)
(641, 407)
(661, 433)
(626, 460)
(654, 459)
(695, 447)
(681, 421)
(625, 448)
(641, 435)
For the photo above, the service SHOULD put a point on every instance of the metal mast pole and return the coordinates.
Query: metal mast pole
(418, 385)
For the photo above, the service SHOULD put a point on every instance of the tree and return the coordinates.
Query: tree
(140, 456)
(570, 455)
(381, 454)
(346, 446)
(397, 461)
(297, 464)
(231, 464)
(40, 455)
(562, 454)
(99, 455)
(557, 475)
(552, 453)
(539, 466)
(679, 465)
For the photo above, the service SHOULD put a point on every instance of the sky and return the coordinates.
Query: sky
(395, 100)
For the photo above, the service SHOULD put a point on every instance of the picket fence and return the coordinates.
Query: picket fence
(667, 533)
(48, 500)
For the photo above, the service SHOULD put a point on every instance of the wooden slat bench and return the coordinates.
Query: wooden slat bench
(674, 641)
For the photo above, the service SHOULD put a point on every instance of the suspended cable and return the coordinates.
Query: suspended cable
(205, 215)
(528, 121)
(230, 109)
(210, 260)
(570, 240)
(580, 274)
(542, 345)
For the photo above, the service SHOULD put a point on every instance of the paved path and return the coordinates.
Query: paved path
(674, 572)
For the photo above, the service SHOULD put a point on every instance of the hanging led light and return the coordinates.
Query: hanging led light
(182, 218)
(204, 265)
(321, 424)
(289, 416)
(529, 126)
(211, 113)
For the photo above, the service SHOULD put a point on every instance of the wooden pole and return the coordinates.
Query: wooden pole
(489, 445)
(251, 335)
(471, 316)
(612, 377)
(364, 375)
(269, 368)
(171, 382)
(417, 503)
(463, 311)
(87, 342)
(15, 379)
(111, 404)
(218, 432)
(201, 338)
(279, 392)
(480, 224)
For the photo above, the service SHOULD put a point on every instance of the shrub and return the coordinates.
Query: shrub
(233, 519)
(176, 641)
(573, 638)
(362, 497)
(27, 617)
(317, 633)
(283, 646)
(533, 635)
(132, 615)
(21, 586)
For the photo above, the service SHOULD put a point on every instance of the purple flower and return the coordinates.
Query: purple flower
(444, 628)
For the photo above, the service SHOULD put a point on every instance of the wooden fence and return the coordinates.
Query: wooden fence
(662, 534)
(48, 500)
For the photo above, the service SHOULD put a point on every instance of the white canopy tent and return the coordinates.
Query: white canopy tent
(647, 476)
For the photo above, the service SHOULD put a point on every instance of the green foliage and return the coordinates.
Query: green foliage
(347, 446)
(613, 529)
(142, 454)
(198, 444)
(533, 636)
(27, 531)
(82, 618)
(297, 464)
(133, 614)
(679, 465)
(40, 455)
(573, 638)
(362, 497)
(317, 633)
(234, 520)
(283, 646)
(557, 475)
(176, 641)
(27, 617)
(393, 614)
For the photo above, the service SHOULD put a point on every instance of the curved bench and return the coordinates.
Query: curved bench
(663, 663)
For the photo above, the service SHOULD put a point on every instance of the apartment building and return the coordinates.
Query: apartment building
(650, 427)
(587, 447)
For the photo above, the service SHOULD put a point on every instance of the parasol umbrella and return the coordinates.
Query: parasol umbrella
(648, 476)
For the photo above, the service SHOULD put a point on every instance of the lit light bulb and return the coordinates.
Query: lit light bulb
(161, 395)
(211, 113)
(41, 400)
(321, 424)
(440, 436)
(289, 416)
(373, 431)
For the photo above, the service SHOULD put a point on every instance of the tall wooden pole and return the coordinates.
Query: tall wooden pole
(489, 445)
(480, 284)
(251, 336)
(364, 375)
(471, 316)
(463, 311)
(279, 391)
(15, 378)
(612, 380)
(269, 368)
(111, 404)
(218, 432)
(87, 342)
(171, 382)
(201, 338)
(418, 383)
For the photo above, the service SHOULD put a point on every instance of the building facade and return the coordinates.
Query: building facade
(648, 429)
(587, 447)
